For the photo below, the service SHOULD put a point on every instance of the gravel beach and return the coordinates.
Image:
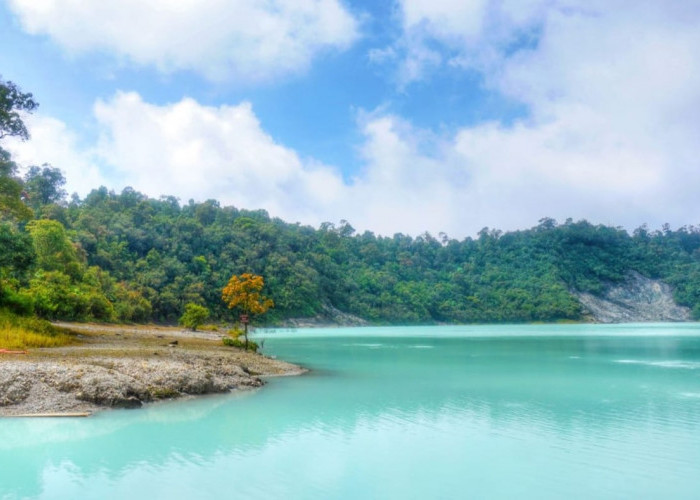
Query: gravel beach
(125, 367)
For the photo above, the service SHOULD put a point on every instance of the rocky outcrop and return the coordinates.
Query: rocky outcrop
(637, 299)
(330, 316)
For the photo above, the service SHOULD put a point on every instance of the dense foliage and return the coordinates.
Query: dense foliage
(126, 257)
(129, 257)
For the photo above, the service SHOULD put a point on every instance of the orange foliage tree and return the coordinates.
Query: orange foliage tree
(244, 294)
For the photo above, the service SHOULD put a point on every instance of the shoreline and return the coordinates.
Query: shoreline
(127, 366)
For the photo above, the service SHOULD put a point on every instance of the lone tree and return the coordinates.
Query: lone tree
(243, 294)
(194, 316)
(13, 102)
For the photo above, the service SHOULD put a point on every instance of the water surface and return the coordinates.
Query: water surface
(533, 411)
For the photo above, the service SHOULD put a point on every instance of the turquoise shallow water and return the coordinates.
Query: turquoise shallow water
(574, 411)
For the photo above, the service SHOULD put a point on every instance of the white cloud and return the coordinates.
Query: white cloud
(469, 33)
(195, 151)
(53, 143)
(412, 180)
(611, 136)
(612, 89)
(221, 39)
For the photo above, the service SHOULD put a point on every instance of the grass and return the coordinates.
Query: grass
(19, 332)
(208, 328)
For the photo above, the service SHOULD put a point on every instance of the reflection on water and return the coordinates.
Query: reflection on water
(527, 411)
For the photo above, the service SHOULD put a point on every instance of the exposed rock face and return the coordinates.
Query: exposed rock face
(637, 299)
(330, 316)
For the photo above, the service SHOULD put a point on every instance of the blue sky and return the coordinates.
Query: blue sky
(404, 116)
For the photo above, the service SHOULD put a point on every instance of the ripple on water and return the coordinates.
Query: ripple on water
(691, 395)
(367, 345)
(687, 365)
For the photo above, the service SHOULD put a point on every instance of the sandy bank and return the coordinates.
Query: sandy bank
(125, 367)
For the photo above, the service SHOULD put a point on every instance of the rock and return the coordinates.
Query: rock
(14, 387)
(330, 316)
(637, 299)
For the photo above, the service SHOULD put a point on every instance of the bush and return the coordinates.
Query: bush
(236, 342)
(235, 332)
(194, 316)
(15, 300)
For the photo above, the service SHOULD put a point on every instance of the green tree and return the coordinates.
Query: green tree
(44, 185)
(16, 259)
(54, 251)
(194, 316)
(11, 204)
(12, 102)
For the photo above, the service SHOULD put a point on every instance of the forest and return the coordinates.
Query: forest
(125, 257)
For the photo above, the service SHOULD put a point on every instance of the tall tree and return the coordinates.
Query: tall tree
(54, 250)
(44, 185)
(12, 102)
(11, 204)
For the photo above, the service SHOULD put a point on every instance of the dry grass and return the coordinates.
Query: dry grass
(208, 328)
(21, 333)
(131, 341)
(20, 338)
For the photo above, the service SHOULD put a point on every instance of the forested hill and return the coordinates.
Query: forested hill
(127, 257)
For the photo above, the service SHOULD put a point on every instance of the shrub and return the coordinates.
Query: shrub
(236, 342)
(194, 316)
(235, 332)
(16, 300)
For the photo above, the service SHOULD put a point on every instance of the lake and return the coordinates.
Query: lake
(527, 411)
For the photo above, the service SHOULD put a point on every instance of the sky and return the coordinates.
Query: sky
(407, 116)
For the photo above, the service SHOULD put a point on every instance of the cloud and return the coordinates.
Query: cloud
(221, 39)
(612, 91)
(54, 143)
(411, 180)
(610, 87)
(195, 151)
(187, 150)
(472, 34)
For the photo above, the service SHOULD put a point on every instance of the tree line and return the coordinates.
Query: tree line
(126, 257)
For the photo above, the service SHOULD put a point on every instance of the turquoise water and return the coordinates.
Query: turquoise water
(573, 411)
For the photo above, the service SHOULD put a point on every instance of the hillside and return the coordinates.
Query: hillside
(126, 257)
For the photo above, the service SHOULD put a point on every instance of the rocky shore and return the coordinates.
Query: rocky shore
(125, 367)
